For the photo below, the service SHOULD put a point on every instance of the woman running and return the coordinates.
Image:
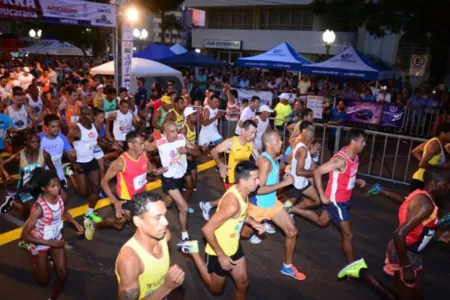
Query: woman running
(43, 231)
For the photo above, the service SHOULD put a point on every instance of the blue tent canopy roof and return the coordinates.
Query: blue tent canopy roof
(282, 57)
(192, 58)
(155, 52)
(350, 63)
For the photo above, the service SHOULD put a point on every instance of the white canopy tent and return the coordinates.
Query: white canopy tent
(52, 47)
(178, 49)
(145, 68)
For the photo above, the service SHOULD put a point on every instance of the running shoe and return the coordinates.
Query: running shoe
(353, 269)
(292, 217)
(191, 210)
(288, 204)
(204, 206)
(292, 271)
(374, 190)
(269, 228)
(188, 247)
(89, 229)
(67, 167)
(93, 217)
(444, 221)
(102, 194)
(7, 205)
(254, 240)
(24, 245)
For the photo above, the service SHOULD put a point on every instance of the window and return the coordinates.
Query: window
(283, 19)
(231, 20)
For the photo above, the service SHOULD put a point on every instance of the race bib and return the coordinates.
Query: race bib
(351, 183)
(140, 181)
(74, 119)
(51, 232)
(57, 160)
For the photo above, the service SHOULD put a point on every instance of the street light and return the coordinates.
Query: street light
(142, 35)
(132, 14)
(35, 35)
(328, 37)
(198, 50)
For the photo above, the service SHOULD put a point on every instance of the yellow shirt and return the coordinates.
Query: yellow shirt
(190, 135)
(155, 270)
(238, 153)
(436, 160)
(283, 111)
(97, 99)
(229, 233)
(180, 119)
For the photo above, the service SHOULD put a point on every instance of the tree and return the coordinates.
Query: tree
(421, 21)
(170, 23)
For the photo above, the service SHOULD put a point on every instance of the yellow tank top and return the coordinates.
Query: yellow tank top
(228, 235)
(190, 135)
(155, 270)
(436, 160)
(238, 153)
(180, 118)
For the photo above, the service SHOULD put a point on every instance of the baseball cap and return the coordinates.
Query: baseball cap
(166, 99)
(100, 86)
(285, 96)
(265, 108)
(26, 69)
(188, 111)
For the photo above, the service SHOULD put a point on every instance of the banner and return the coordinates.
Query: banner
(266, 97)
(315, 103)
(364, 112)
(393, 115)
(127, 54)
(77, 12)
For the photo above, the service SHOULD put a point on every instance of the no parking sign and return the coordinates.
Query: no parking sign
(417, 65)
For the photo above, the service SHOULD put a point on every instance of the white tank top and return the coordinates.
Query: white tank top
(213, 126)
(300, 182)
(122, 125)
(36, 106)
(262, 127)
(85, 147)
(171, 158)
(20, 117)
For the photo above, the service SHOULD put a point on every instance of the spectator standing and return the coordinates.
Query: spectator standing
(303, 85)
(141, 94)
(282, 111)
(338, 117)
(384, 96)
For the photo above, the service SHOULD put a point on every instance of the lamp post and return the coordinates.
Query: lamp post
(35, 34)
(140, 35)
(328, 37)
(197, 50)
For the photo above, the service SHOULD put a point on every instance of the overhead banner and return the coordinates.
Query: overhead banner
(76, 12)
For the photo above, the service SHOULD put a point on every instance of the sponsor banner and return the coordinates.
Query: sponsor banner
(75, 12)
(266, 97)
(127, 54)
(364, 112)
(393, 115)
(218, 44)
(315, 103)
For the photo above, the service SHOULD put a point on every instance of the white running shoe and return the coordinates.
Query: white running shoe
(269, 228)
(205, 210)
(254, 240)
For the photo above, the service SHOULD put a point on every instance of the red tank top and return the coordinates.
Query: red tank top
(49, 226)
(133, 178)
(341, 184)
(419, 237)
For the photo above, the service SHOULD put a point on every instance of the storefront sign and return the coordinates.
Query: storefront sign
(218, 44)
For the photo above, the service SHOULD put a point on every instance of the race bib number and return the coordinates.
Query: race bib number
(74, 119)
(57, 160)
(51, 232)
(351, 183)
(140, 181)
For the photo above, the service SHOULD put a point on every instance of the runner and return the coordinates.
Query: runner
(209, 133)
(72, 107)
(109, 103)
(43, 230)
(29, 159)
(173, 148)
(263, 123)
(176, 113)
(34, 101)
(433, 156)
(265, 205)
(237, 148)
(84, 137)
(294, 129)
(249, 113)
(343, 168)
(160, 115)
(224, 254)
(56, 144)
(131, 170)
(143, 265)
(189, 131)
(123, 120)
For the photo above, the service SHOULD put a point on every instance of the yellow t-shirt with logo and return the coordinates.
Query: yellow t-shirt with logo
(237, 153)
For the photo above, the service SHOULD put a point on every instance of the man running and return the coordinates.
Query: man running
(237, 148)
(84, 138)
(143, 265)
(123, 120)
(176, 113)
(265, 205)
(433, 156)
(160, 115)
(209, 133)
(342, 168)
(263, 123)
(35, 102)
(248, 113)
(173, 148)
(224, 254)
(131, 170)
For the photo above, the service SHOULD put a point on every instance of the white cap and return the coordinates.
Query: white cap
(285, 96)
(26, 69)
(100, 86)
(265, 108)
(188, 111)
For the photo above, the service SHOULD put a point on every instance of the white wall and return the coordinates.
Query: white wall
(228, 3)
(263, 40)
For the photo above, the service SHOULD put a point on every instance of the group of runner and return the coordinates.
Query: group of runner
(255, 175)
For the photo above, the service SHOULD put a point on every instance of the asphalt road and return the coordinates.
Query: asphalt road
(318, 254)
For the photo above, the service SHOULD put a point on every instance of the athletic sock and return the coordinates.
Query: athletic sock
(89, 211)
(208, 205)
(287, 266)
(184, 235)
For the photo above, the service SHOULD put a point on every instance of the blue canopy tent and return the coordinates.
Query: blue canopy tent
(155, 52)
(193, 59)
(282, 57)
(351, 64)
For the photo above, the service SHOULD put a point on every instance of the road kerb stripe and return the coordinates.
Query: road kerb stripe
(14, 234)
